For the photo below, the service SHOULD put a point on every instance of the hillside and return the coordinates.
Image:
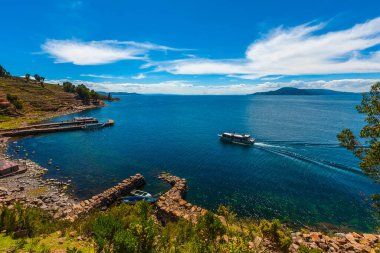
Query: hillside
(38, 102)
(296, 91)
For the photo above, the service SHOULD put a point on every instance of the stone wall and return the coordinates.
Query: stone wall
(172, 203)
(105, 198)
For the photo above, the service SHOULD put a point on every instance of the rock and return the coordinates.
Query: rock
(61, 240)
(370, 237)
(350, 238)
(257, 241)
(314, 237)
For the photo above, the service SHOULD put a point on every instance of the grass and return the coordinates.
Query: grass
(126, 228)
(38, 103)
(50, 243)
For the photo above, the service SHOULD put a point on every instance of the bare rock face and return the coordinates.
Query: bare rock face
(340, 242)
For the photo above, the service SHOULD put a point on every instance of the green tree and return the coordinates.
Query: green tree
(37, 77)
(367, 150)
(68, 87)
(3, 71)
(83, 93)
(27, 77)
(94, 95)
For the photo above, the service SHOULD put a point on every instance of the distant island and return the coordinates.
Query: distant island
(122, 93)
(296, 91)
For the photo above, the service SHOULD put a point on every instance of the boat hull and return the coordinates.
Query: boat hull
(249, 142)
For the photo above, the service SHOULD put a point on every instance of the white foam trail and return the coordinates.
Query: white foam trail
(260, 144)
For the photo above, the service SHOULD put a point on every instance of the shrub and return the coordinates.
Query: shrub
(209, 227)
(304, 249)
(274, 231)
(104, 230)
(26, 222)
(13, 99)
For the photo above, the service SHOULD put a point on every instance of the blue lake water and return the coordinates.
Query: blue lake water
(296, 172)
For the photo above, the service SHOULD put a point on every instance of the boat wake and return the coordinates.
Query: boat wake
(281, 150)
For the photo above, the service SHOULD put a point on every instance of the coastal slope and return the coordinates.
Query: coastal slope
(33, 102)
(296, 91)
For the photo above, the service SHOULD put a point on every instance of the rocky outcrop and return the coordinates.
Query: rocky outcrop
(105, 198)
(340, 242)
(172, 205)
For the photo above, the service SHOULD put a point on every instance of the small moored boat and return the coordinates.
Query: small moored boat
(242, 139)
(141, 193)
(134, 199)
(84, 118)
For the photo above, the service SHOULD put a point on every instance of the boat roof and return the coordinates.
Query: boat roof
(81, 118)
(237, 135)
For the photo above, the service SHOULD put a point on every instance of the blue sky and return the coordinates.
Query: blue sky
(194, 47)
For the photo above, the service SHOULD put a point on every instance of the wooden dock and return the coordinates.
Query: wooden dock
(53, 127)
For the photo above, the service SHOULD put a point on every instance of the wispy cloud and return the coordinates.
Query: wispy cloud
(187, 88)
(294, 51)
(103, 76)
(139, 76)
(99, 52)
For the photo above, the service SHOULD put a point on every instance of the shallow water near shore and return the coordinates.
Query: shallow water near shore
(295, 172)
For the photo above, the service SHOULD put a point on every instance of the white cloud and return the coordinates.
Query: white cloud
(295, 51)
(139, 76)
(103, 76)
(98, 52)
(186, 88)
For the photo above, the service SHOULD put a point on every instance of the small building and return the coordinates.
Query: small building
(7, 168)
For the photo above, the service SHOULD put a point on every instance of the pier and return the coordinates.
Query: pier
(105, 198)
(54, 127)
(172, 205)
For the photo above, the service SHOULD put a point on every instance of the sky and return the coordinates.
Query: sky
(194, 47)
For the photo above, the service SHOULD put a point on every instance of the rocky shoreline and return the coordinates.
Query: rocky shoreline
(30, 189)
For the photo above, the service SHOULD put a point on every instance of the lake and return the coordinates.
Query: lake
(296, 171)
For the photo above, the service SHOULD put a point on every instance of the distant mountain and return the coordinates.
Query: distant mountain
(296, 91)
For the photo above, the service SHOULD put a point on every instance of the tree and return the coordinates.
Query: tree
(94, 95)
(83, 93)
(369, 151)
(68, 87)
(109, 97)
(37, 77)
(3, 71)
(27, 77)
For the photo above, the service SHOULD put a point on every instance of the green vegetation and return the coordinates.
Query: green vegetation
(126, 228)
(369, 151)
(84, 93)
(304, 249)
(4, 72)
(13, 99)
(27, 77)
